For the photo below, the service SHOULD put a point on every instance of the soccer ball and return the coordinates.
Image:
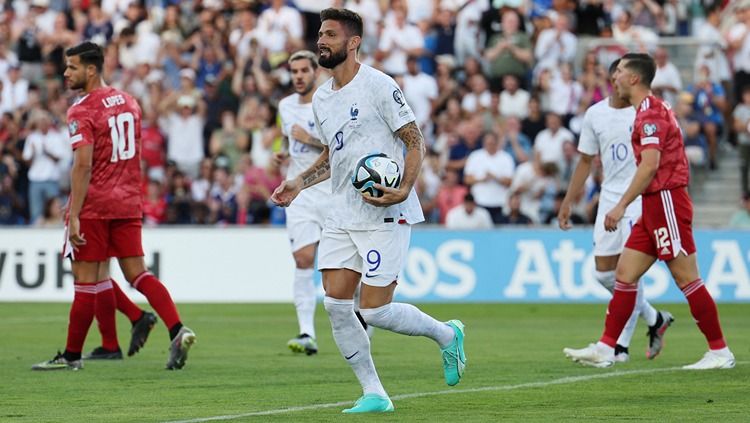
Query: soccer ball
(375, 168)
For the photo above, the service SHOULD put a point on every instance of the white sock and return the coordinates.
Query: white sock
(627, 332)
(408, 320)
(648, 312)
(353, 344)
(304, 300)
(606, 279)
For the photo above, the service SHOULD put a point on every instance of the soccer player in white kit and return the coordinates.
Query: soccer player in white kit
(365, 239)
(304, 218)
(606, 130)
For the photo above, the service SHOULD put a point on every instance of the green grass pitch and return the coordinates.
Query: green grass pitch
(240, 366)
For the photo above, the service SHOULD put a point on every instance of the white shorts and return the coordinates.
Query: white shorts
(304, 220)
(377, 254)
(612, 243)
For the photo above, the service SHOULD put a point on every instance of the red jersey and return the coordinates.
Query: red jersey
(656, 127)
(110, 120)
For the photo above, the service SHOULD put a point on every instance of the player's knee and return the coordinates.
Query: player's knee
(605, 279)
(376, 316)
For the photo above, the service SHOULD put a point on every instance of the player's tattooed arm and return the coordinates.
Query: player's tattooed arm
(415, 150)
(318, 172)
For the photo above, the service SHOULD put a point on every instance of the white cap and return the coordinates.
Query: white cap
(186, 101)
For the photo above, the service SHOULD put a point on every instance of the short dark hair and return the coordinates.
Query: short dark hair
(643, 65)
(90, 54)
(350, 20)
(469, 198)
(613, 67)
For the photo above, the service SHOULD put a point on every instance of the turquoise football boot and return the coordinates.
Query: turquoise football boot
(454, 358)
(371, 403)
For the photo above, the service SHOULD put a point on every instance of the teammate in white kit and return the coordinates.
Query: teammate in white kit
(304, 218)
(607, 126)
(358, 111)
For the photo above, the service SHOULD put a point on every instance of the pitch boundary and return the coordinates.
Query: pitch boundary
(560, 381)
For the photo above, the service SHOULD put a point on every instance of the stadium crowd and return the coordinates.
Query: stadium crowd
(499, 88)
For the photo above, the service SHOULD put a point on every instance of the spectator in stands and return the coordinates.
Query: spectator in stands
(15, 90)
(469, 133)
(222, 197)
(517, 144)
(428, 186)
(514, 101)
(183, 123)
(450, 194)
(565, 92)
(228, 141)
(99, 27)
(514, 215)
(548, 146)
(489, 173)
(154, 204)
(710, 104)
(479, 98)
(468, 215)
(261, 181)
(741, 116)
(201, 186)
(421, 92)
(398, 41)
(555, 45)
(508, 53)
(593, 80)
(533, 124)
(444, 31)
(569, 162)
(638, 37)
(696, 147)
(531, 181)
(468, 38)
(712, 50)
(43, 150)
(11, 204)
(645, 13)
(739, 44)
(281, 26)
(53, 216)
(667, 81)
(741, 218)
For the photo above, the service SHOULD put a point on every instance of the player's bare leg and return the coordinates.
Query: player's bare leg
(684, 270)
(81, 315)
(352, 339)
(379, 310)
(182, 338)
(304, 300)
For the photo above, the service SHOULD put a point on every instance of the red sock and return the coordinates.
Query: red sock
(81, 315)
(158, 296)
(619, 311)
(125, 305)
(104, 310)
(703, 309)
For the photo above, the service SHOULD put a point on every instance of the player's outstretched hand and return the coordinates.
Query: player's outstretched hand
(286, 192)
(612, 218)
(390, 196)
(74, 233)
(563, 217)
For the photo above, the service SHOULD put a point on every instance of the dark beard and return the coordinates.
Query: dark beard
(334, 59)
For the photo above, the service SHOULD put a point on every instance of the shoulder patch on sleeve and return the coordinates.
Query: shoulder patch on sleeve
(649, 129)
(398, 97)
(73, 127)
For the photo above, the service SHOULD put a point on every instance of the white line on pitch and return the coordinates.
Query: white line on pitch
(561, 381)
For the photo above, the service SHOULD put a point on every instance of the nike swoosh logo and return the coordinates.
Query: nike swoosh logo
(349, 357)
(374, 275)
(323, 121)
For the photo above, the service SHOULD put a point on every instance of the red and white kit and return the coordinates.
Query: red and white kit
(110, 120)
(665, 228)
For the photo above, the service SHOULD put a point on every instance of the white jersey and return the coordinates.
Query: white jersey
(606, 131)
(353, 121)
(301, 155)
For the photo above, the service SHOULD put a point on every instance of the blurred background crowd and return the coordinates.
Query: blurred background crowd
(499, 88)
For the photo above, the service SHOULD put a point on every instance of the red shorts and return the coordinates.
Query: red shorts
(106, 238)
(665, 228)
